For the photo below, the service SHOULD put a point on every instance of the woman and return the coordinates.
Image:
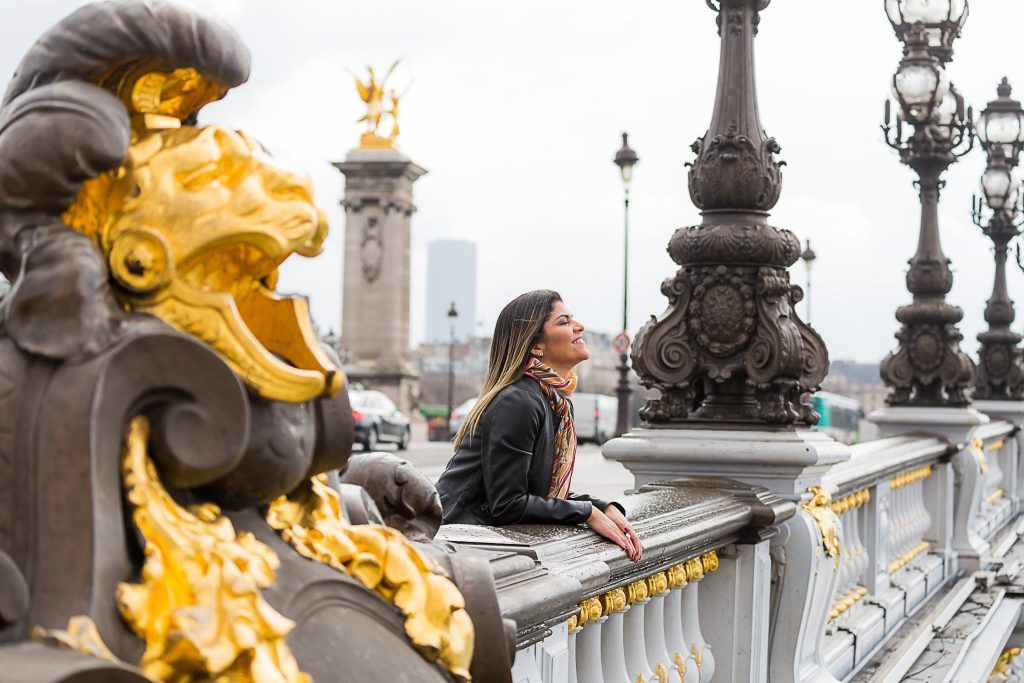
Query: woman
(516, 449)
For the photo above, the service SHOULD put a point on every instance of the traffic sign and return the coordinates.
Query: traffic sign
(620, 343)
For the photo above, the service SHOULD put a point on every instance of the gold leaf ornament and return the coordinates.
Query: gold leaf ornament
(198, 607)
(819, 507)
(384, 561)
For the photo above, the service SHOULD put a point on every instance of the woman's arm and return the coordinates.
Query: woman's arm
(508, 434)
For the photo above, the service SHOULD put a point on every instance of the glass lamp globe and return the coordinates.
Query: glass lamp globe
(944, 115)
(941, 20)
(919, 88)
(998, 185)
(1001, 125)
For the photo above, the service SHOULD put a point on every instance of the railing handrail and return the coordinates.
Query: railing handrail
(543, 572)
(873, 461)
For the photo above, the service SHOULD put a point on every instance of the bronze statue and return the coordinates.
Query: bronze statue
(170, 427)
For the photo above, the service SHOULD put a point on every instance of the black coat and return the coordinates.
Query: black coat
(502, 474)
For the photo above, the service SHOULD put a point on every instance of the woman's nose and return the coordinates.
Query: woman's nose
(579, 326)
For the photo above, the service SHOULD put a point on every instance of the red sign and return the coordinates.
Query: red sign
(620, 343)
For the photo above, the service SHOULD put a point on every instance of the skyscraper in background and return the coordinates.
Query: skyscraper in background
(451, 276)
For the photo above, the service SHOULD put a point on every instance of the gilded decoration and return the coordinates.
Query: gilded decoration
(848, 600)
(194, 226)
(81, 635)
(851, 501)
(198, 606)
(910, 477)
(906, 557)
(819, 507)
(620, 599)
(1001, 672)
(384, 561)
(373, 92)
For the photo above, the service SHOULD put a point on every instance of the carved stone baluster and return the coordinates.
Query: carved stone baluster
(574, 630)
(636, 651)
(695, 570)
(588, 643)
(613, 656)
(654, 627)
(675, 635)
(525, 669)
(971, 548)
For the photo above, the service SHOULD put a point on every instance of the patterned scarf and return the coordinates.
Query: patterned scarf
(558, 390)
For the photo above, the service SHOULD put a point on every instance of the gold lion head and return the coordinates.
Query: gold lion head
(194, 226)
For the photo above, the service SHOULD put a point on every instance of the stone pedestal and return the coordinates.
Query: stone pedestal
(375, 306)
(952, 423)
(786, 461)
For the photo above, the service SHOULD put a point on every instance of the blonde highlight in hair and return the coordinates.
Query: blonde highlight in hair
(520, 325)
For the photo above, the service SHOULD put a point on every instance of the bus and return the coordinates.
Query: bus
(840, 416)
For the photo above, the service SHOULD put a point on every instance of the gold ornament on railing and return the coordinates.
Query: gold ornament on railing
(614, 601)
(906, 557)
(1001, 672)
(851, 501)
(199, 608)
(384, 561)
(978, 449)
(910, 477)
(637, 591)
(819, 507)
(847, 601)
(676, 575)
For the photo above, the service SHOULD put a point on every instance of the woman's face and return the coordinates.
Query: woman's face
(563, 346)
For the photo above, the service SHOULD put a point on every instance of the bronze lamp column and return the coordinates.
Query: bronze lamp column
(730, 347)
(1000, 374)
(928, 368)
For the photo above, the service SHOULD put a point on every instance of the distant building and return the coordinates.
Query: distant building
(860, 381)
(451, 277)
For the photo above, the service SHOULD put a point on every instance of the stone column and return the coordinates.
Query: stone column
(375, 307)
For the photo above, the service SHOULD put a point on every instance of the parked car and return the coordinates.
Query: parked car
(596, 416)
(459, 414)
(378, 420)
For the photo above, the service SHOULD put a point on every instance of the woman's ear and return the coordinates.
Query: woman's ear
(537, 351)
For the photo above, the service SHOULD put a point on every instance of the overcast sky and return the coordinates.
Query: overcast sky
(516, 109)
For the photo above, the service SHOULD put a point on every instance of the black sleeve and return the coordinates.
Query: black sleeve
(601, 505)
(508, 433)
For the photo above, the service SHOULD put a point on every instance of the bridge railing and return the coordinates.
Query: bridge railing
(913, 511)
(586, 614)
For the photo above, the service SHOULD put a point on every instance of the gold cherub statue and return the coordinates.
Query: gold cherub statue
(372, 94)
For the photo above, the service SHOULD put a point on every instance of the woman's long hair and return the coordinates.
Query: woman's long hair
(520, 325)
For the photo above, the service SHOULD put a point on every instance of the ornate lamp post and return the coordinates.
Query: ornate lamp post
(730, 347)
(1000, 375)
(453, 315)
(927, 368)
(625, 159)
(808, 256)
(940, 19)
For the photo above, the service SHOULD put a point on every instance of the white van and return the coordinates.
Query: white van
(596, 416)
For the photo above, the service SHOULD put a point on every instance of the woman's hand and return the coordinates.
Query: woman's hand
(626, 528)
(604, 525)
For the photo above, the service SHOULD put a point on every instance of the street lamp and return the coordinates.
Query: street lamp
(453, 315)
(928, 368)
(625, 159)
(730, 348)
(940, 19)
(808, 257)
(1000, 375)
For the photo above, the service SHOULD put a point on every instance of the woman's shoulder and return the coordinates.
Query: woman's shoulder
(523, 393)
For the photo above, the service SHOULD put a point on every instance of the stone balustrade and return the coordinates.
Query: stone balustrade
(739, 584)
(586, 614)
